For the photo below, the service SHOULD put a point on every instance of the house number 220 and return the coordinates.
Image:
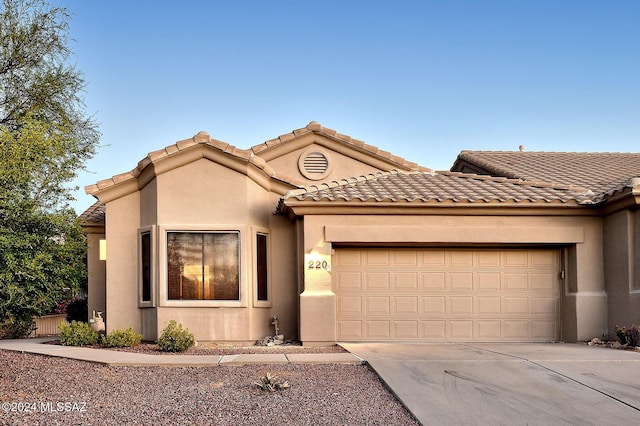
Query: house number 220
(318, 264)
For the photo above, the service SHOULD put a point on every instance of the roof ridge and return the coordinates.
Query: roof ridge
(489, 165)
(315, 127)
(472, 151)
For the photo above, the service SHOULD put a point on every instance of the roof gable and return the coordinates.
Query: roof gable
(335, 154)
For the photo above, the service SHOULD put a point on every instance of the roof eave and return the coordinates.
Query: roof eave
(298, 208)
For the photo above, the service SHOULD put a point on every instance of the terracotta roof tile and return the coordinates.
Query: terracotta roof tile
(202, 138)
(600, 172)
(95, 213)
(439, 187)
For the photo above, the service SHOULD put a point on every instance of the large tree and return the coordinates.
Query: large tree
(46, 137)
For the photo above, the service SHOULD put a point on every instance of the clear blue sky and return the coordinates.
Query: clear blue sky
(422, 79)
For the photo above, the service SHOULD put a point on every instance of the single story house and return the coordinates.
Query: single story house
(345, 242)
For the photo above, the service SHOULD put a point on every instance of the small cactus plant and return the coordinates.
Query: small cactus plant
(271, 383)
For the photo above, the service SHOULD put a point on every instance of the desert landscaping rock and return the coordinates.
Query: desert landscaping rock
(334, 394)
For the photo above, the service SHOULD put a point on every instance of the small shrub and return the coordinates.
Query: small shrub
(271, 383)
(77, 333)
(12, 328)
(174, 338)
(628, 336)
(621, 333)
(122, 338)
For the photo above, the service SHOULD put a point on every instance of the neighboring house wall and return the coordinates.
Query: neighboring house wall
(96, 275)
(622, 267)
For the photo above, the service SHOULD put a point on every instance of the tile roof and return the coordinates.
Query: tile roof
(315, 127)
(439, 187)
(600, 172)
(202, 138)
(95, 213)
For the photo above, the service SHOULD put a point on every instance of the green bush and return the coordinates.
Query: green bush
(122, 338)
(174, 338)
(12, 328)
(77, 333)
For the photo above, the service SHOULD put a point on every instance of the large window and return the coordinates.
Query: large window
(203, 266)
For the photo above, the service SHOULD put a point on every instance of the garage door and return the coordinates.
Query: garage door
(447, 294)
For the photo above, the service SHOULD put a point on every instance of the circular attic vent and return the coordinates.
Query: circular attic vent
(314, 164)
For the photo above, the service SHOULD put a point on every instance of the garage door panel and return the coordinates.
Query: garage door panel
(488, 329)
(488, 305)
(460, 329)
(405, 258)
(350, 329)
(349, 305)
(447, 294)
(541, 329)
(516, 330)
(405, 281)
(514, 282)
(433, 330)
(543, 282)
(460, 281)
(547, 306)
(405, 330)
(460, 305)
(377, 305)
(349, 281)
(433, 281)
(377, 281)
(433, 306)
(488, 281)
(378, 329)
(460, 258)
(376, 257)
(514, 306)
(516, 259)
(405, 305)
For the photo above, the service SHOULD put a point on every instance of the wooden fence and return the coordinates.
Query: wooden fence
(48, 325)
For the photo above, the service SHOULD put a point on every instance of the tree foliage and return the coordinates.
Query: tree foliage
(46, 137)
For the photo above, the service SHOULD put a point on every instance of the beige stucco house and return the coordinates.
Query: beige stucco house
(345, 242)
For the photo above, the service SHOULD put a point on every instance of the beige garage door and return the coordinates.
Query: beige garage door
(447, 295)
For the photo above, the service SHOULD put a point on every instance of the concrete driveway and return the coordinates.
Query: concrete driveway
(503, 383)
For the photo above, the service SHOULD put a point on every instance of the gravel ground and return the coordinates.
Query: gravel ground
(211, 348)
(64, 391)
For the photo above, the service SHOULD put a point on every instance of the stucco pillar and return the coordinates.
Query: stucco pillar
(317, 301)
(590, 297)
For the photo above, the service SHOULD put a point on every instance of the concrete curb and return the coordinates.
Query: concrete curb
(116, 358)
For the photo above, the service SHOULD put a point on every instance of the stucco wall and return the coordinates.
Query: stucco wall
(95, 273)
(584, 310)
(201, 196)
(122, 263)
(341, 165)
(622, 280)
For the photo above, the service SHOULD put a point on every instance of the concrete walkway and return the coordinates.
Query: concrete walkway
(509, 384)
(110, 357)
